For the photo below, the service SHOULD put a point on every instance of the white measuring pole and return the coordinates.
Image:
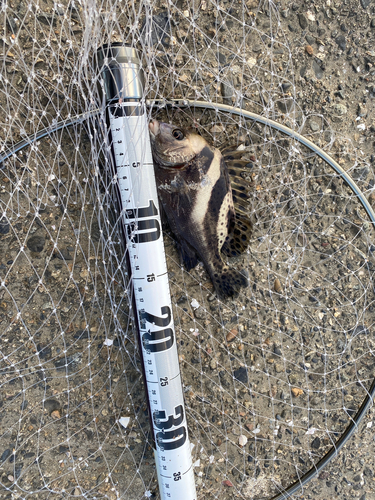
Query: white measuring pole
(123, 89)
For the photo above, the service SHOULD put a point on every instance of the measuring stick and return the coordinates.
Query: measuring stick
(123, 89)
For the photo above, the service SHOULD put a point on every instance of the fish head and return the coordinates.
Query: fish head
(172, 146)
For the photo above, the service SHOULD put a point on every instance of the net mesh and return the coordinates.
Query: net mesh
(271, 379)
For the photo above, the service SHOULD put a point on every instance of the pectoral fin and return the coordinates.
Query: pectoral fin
(188, 254)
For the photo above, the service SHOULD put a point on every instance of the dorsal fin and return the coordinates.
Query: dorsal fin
(231, 153)
(239, 232)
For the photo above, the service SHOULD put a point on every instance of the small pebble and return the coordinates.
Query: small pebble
(286, 86)
(339, 109)
(227, 92)
(5, 455)
(310, 16)
(4, 226)
(296, 391)
(309, 50)
(327, 135)
(341, 42)
(241, 375)
(314, 126)
(194, 304)
(200, 313)
(217, 129)
(213, 364)
(222, 58)
(56, 414)
(63, 254)
(227, 483)
(36, 243)
(52, 405)
(242, 440)
(251, 62)
(182, 299)
(316, 443)
(17, 470)
(231, 335)
(318, 70)
(302, 21)
(277, 350)
(124, 421)
(359, 329)
(361, 110)
(285, 13)
(365, 3)
(277, 286)
(160, 28)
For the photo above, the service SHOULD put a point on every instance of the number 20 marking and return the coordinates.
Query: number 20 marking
(159, 340)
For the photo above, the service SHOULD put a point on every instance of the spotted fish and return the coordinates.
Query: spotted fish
(196, 193)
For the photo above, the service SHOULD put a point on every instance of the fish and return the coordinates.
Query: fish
(204, 198)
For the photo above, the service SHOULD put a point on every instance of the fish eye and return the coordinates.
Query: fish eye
(178, 134)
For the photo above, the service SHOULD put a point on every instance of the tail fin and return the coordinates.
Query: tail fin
(229, 282)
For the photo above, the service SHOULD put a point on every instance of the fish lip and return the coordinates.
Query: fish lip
(154, 128)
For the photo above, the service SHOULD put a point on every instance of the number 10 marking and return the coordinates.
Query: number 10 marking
(151, 224)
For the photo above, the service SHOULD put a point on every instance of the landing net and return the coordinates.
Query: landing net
(273, 378)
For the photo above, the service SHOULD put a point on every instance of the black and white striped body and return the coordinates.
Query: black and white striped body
(197, 199)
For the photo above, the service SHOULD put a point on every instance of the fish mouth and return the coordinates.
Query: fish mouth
(154, 128)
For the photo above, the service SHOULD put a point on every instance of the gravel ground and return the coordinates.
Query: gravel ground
(271, 379)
